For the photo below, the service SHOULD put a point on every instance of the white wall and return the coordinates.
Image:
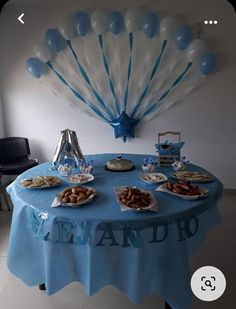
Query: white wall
(206, 117)
(1, 120)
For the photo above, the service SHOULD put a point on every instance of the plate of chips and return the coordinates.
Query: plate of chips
(40, 182)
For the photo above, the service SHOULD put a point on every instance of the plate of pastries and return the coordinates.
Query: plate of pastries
(193, 176)
(133, 198)
(183, 189)
(74, 196)
(41, 182)
(153, 177)
(80, 178)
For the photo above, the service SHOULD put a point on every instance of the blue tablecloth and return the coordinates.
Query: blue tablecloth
(97, 244)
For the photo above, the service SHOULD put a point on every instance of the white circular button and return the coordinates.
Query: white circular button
(208, 283)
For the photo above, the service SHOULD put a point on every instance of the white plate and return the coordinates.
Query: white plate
(193, 176)
(74, 178)
(57, 201)
(44, 186)
(153, 206)
(159, 177)
(204, 193)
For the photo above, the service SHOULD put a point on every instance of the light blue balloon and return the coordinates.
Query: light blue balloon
(35, 66)
(82, 23)
(150, 24)
(208, 63)
(55, 40)
(183, 37)
(115, 22)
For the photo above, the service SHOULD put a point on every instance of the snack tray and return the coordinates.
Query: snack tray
(204, 193)
(153, 206)
(45, 186)
(57, 201)
(72, 178)
(161, 177)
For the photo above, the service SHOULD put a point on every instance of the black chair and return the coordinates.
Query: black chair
(14, 160)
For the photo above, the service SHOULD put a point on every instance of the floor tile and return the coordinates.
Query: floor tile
(111, 298)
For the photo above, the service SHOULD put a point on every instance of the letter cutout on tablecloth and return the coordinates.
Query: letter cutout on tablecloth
(184, 227)
(108, 235)
(68, 232)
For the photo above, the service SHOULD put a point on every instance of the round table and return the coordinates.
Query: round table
(140, 253)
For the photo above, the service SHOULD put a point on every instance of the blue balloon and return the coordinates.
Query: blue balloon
(115, 22)
(55, 40)
(183, 37)
(82, 23)
(150, 24)
(124, 126)
(207, 63)
(35, 66)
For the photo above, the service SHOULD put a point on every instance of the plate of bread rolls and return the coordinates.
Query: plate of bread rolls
(74, 196)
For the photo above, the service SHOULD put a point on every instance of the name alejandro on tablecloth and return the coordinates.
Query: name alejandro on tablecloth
(110, 235)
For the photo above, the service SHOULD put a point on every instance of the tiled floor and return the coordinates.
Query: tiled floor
(218, 250)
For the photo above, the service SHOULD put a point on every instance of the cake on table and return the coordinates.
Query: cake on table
(119, 165)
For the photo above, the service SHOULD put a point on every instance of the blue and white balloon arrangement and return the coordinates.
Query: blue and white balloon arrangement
(123, 68)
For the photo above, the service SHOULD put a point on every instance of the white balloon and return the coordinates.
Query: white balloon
(195, 50)
(168, 26)
(43, 52)
(67, 29)
(132, 20)
(99, 22)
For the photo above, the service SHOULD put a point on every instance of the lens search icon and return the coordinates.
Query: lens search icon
(208, 283)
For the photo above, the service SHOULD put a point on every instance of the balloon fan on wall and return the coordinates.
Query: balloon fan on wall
(121, 68)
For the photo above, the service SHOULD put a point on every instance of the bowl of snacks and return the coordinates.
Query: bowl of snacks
(149, 165)
(180, 165)
(86, 166)
(65, 169)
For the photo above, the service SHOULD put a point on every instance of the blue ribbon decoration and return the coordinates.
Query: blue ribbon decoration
(154, 70)
(86, 78)
(105, 62)
(176, 82)
(76, 93)
(129, 68)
